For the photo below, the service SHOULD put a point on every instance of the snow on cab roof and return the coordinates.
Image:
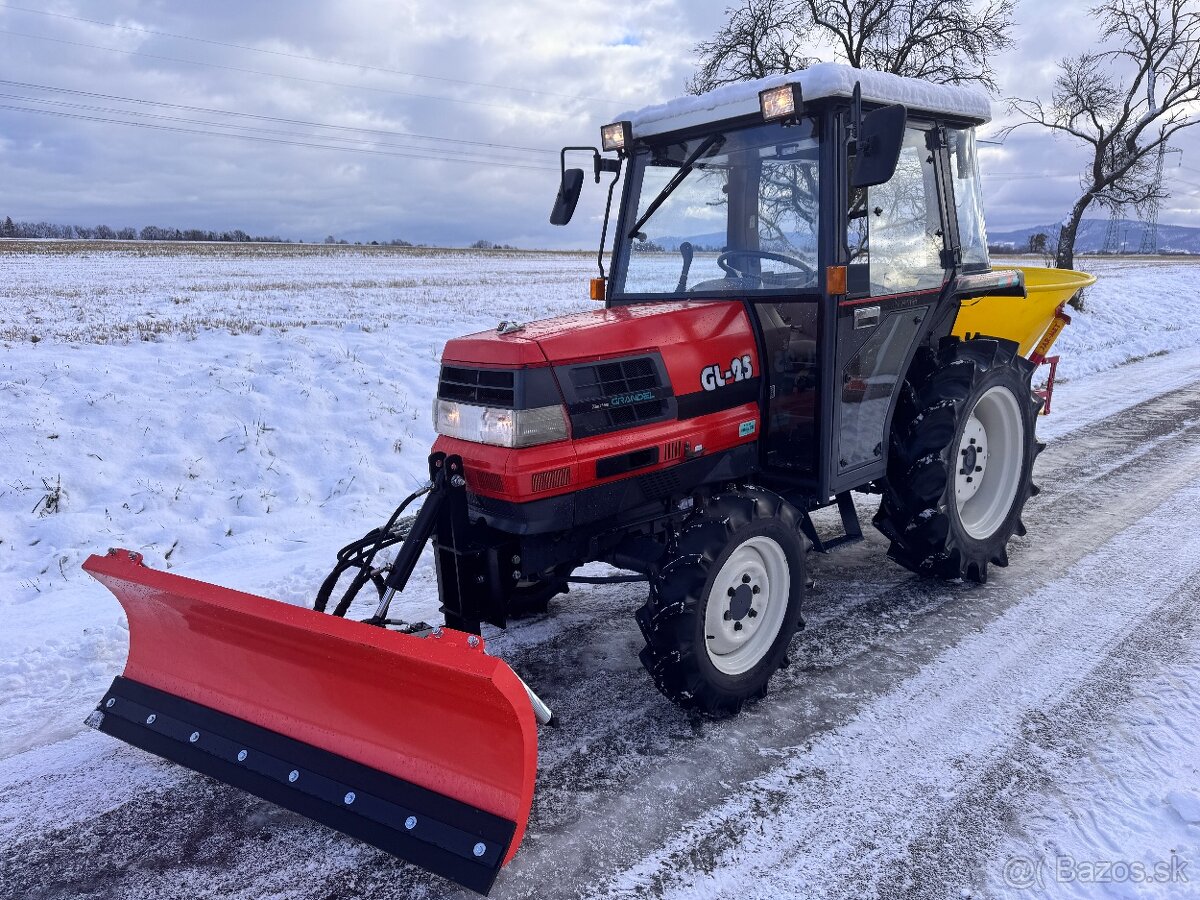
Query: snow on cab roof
(821, 80)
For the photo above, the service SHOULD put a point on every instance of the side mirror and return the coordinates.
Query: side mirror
(568, 197)
(880, 138)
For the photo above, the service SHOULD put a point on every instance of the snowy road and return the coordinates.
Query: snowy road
(236, 417)
(928, 740)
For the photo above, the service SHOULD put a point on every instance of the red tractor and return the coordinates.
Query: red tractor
(788, 263)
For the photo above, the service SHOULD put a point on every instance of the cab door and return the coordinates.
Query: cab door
(895, 243)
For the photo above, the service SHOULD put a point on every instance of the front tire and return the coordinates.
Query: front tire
(725, 603)
(960, 467)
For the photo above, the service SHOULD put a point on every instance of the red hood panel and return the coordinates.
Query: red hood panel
(677, 328)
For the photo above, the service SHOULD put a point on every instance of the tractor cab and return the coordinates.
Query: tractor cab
(836, 214)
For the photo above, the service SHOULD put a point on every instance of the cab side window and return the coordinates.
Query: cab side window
(894, 233)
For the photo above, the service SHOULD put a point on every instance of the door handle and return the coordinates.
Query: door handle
(867, 317)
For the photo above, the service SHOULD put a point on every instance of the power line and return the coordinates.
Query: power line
(470, 155)
(301, 56)
(282, 120)
(244, 71)
(247, 137)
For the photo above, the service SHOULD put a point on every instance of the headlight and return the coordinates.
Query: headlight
(500, 427)
(783, 102)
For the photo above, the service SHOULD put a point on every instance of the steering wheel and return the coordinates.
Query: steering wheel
(723, 262)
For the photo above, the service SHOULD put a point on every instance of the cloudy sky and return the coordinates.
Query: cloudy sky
(498, 87)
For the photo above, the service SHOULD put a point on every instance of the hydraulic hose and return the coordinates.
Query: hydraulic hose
(360, 554)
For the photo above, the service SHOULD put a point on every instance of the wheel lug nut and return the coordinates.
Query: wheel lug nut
(969, 479)
(972, 440)
(745, 579)
(756, 589)
(737, 626)
(753, 613)
(979, 468)
(731, 592)
(728, 615)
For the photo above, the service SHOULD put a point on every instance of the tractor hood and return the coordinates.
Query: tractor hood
(599, 333)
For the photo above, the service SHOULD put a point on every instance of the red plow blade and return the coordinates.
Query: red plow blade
(423, 746)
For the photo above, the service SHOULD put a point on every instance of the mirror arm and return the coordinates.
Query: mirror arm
(615, 168)
(562, 160)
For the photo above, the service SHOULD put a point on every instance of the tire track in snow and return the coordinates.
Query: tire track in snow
(836, 819)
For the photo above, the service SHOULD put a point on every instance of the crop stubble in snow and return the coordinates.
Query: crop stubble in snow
(270, 403)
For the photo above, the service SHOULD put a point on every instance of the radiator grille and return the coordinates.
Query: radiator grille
(480, 387)
(617, 394)
(549, 481)
(480, 480)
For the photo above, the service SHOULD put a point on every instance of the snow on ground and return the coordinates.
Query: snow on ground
(1135, 310)
(238, 416)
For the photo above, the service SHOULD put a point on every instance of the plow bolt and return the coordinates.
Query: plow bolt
(110, 702)
(480, 849)
(410, 823)
(473, 641)
(293, 776)
(242, 754)
(195, 736)
(349, 798)
(516, 560)
(150, 719)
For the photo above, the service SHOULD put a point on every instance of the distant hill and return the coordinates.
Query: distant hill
(1171, 238)
(1092, 232)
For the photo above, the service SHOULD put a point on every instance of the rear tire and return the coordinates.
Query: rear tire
(725, 603)
(960, 467)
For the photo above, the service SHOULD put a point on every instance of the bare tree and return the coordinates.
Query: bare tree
(1123, 104)
(946, 41)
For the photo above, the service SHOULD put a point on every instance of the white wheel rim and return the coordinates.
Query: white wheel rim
(747, 605)
(988, 464)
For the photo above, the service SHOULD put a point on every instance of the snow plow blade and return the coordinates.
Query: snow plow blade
(425, 747)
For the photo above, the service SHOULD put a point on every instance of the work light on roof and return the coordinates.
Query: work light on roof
(616, 136)
(783, 102)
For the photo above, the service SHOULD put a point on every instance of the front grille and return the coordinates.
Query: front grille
(551, 480)
(479, 387)
(482, 480)
(617, 394)
(624, 376)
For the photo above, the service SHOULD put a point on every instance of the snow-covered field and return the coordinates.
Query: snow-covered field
(238, 416)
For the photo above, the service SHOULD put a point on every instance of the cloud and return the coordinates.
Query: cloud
(497, 77)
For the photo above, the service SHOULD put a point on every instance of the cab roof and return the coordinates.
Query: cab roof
(816, 82)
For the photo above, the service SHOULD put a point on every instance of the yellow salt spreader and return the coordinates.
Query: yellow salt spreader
(1034, 321)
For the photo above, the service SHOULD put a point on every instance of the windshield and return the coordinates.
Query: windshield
(742, 219)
